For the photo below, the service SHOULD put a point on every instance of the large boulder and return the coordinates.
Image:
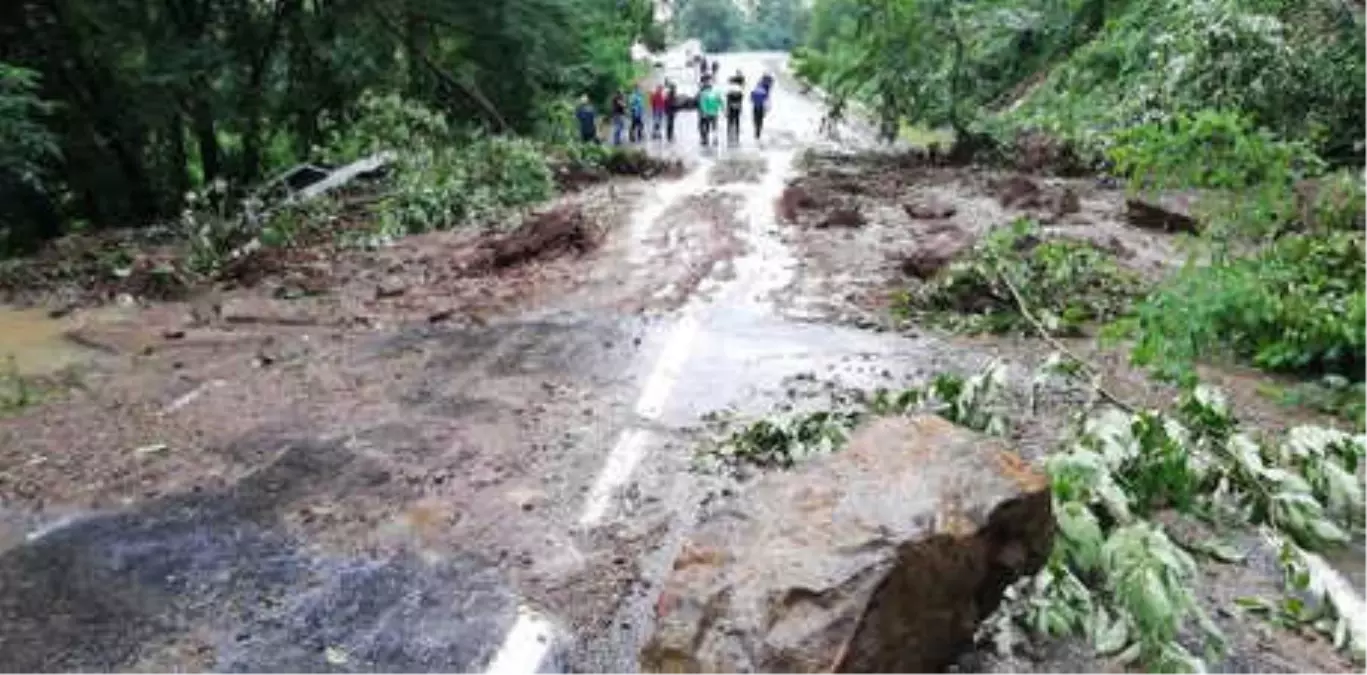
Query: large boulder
(883, 557)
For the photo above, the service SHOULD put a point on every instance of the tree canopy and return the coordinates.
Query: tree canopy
(722, 25)
(115, 109)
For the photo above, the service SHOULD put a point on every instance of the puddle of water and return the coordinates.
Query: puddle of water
(36, 342)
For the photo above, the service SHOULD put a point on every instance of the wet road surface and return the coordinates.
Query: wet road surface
(496, 499)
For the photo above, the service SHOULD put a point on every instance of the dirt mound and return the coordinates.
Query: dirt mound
(95, 268)
(936, 251)
(573, 176)
(1168, 213)
(1048, 202)
(795, 198)
(1038, 152)
(843, 216)
(550, 234)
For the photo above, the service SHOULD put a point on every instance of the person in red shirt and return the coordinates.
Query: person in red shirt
(658, 105)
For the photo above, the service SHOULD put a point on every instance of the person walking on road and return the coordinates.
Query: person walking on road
(657, 111)
(759, 106)
(735, 100)
(588, 120)
(709, 106)
(619, 116)
(671, 108)
(638, 115)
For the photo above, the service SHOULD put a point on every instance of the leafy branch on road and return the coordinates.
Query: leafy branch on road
(1115, 576)
(972, 401)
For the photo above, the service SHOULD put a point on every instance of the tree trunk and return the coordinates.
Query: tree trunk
(180, 176)
(210, 155)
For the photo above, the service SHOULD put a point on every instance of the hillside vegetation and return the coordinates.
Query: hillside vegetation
(1253, 108)
(1254, 104)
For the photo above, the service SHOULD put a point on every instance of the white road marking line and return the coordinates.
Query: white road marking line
(668, 368)
(189, 397)
(631, 445)
(525, 646)
(621, 462)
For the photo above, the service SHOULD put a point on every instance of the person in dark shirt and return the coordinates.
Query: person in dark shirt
(619, 116)
(759, 105)
(671, 108)
(588, 120)
(735, 99)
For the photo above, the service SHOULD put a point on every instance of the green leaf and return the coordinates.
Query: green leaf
(1112, 638)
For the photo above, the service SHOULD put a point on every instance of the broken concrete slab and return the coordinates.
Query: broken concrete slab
(880, 558)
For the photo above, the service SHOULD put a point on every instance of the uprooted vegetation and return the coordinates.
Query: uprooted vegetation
(1116, 577)
(1119, 579)
(1011, 273)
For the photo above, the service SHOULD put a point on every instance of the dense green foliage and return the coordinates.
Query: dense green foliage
(1251, 101)
(147, 100)
(1296, 306)
(1294, 68)
(1233, 153)
(28, 153)
(722, 26)
(1085, 69)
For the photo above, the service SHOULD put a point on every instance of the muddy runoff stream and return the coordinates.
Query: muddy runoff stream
(34, 343)
(499, 489)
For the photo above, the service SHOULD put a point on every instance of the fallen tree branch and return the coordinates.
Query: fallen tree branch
(1091, 370)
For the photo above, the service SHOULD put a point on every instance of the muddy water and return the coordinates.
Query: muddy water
(36, 343)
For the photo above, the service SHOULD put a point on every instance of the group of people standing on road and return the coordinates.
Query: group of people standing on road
(663, 103)
(711, 103)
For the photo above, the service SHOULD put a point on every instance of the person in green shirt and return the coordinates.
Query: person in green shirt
(709, 106)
